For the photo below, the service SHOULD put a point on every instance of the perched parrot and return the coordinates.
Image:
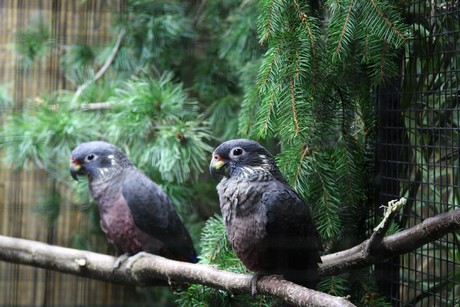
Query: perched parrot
(269, 226)
(135, 213)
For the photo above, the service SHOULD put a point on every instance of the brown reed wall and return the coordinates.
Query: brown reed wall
(70, 21)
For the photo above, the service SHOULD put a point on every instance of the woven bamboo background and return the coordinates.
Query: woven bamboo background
(70, 21)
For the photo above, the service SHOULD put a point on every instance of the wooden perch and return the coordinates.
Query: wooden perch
(146, 270)
(400, 243)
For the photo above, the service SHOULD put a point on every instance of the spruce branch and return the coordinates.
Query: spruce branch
(294, 108)
(304, 18)
(268, 24)
(382, 61)
(269, 112)
(270, 66)
(305, 152)
(297, 63)
(344, 28)
(387, 20)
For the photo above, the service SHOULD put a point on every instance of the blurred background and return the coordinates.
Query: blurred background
(358, 100)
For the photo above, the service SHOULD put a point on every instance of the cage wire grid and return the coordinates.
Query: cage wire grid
(418, 154)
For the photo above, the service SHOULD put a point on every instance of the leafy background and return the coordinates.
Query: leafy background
(179, 77)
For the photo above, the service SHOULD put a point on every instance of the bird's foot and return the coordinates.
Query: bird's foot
(254, 281)
(120, 260)
(131, 260)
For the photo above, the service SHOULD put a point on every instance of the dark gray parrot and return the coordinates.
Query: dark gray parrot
(135, 213)
(269, 226)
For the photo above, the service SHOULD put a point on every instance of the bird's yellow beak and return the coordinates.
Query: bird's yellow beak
(218, 165)
(75, 168)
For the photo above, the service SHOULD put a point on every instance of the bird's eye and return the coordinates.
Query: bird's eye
(237, 151)
(90, 157)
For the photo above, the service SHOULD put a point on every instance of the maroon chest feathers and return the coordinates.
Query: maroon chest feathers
(118, 223)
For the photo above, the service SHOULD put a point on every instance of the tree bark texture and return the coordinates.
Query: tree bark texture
(146, 269)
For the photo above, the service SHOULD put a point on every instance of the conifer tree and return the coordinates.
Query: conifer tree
(314, 95)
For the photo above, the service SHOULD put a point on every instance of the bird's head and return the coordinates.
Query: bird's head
(241, 157)
(97, 160)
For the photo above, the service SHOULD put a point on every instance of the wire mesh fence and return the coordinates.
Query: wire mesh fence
(418, 154)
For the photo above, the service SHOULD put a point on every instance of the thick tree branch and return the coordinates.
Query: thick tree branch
(375, 241)
(400, 243)
(146, 269)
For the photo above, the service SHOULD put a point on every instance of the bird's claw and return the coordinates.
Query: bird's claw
(120, 260)
(254, 281)
(131, 260)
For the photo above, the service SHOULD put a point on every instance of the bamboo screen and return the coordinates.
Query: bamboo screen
(69, 22)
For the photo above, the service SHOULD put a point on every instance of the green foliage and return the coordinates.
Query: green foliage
(45, 134)
(163, 91)
(34, 42)
(186, 76)
(367, 32)
(216, 251)
(335, 285)
(366, 290)
(169, 121)
(313, 104)
(237, 44)
(215, 248)
(154, 32)
(231, 56)
(49, 207)
(314, 95)
(360, 282)
(78, 63)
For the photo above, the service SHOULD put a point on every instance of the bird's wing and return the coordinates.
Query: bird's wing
(291, 247)
(153, 213)
(289, 218)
